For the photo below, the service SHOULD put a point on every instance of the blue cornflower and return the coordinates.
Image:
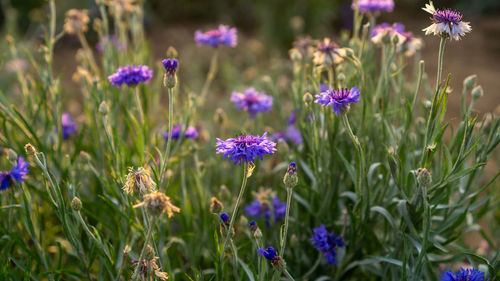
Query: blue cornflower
(446, 23)
(130, 75)
(170, 66)
(260, 208)
(252, 101)
(68, 126)
(224, 217)
(373, 5)
(269, 253)
(292, 119)
(290, 135)
(245, 148)
(224, 35)
(338, 99)
(327, 243)
(463, 275)
(18, 173)
(191, 132)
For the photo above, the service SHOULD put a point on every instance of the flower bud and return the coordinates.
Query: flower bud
(149, 253)
(30, 149)
(308, 98)
(12, 155)
(295, 54)
(424, 177)
(219, 116)
(76, 204)
(172, 52)
(216, 206)
(470, 82)
(290, 179)
(103, 108)
(477, 92)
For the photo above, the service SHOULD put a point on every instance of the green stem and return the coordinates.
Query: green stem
(289, 192)
(169, 140)
(287, 274)
(143, 251)
(139, 106)
(440, 62)
(235, 211)
(212, 71)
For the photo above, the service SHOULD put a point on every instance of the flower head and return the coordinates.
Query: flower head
(290, 135)
(269, 253)
(224, 217)
(338, 99)
(158, 203)
(170, 66)
(385, 30)
(216, 206)
(245, 148)
(446, 23)
(131, 75)
(463, 275)
(111, 39)
(224, 35)
(17, 174)
(305, 45)
(149, 269)
(139, 180)
(267, 206)
(328, 53)
(68, 126)
(252, 101)
(290, 179)
(190, 133)
(373, 5)
(76, 21)
(327, 243)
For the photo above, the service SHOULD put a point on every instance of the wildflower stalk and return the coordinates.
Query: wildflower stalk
(235, 211)
(288, 275)
(139, 106)
(169, 140)
(440, 61)
(149, 234)
(289, 192)
(212, 71)
(91, 235)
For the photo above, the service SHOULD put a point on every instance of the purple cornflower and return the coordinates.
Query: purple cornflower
(190, 133)
(252, 101)
(328, 52)
(384, 29)
(17, 173)
(170, 66)
(245, 148)
(463, 275)
(258, 209)
(338, 99)
(224, 35)
(291, 135)
(130, 75)
(292, 119)
(68, 126)
(373, 5)
(269, 253)
(446, 23)
(327, 243)
(112, 39)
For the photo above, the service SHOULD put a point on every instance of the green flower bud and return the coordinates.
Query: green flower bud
(76, 204)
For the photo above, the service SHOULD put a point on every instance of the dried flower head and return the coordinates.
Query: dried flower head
(149, 269)
(447, 23)
(216, 206)
(139, 181)
(76, 21)
(158, 203)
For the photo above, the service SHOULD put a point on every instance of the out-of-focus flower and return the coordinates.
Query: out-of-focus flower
(216, 206)
(469, 274)
(373, 5)
(139, 181)
(130, 75)
(305, 45)
(16, 65)
(385, 33)
(224, 35)
(113, 40)
(290, 135)
(339, 99)
(190, 133)
(82, 74)
(121, 6)
(245, 148)
(158, 203)
(76, 21)
(149, 269)
(327, 243)
(446, 23)
(412, 45)
(266, 206)
(328, 53)
(252, 101)
(68, 126)
(17, 174)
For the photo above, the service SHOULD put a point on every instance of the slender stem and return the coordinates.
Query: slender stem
(289, 192)
(139, 105)
(143, 251)
(287, 274)
(169, 140)
(235, 211)
(212, 71)
(440, 61)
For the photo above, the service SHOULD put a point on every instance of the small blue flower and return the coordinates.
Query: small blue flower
(245, 148)
(18, 173)
(258, 209)
(252, 101)
(291, 135)
(338, 99)
(292, 119)
(68, 126)
(130, 75)
(327, 243)
(463, 275)
(373, 5)
(224, 35)
(170, 66)
(269, 253)
(224, 217)
(190, 133)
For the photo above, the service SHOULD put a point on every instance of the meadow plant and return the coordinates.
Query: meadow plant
(379, 183)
